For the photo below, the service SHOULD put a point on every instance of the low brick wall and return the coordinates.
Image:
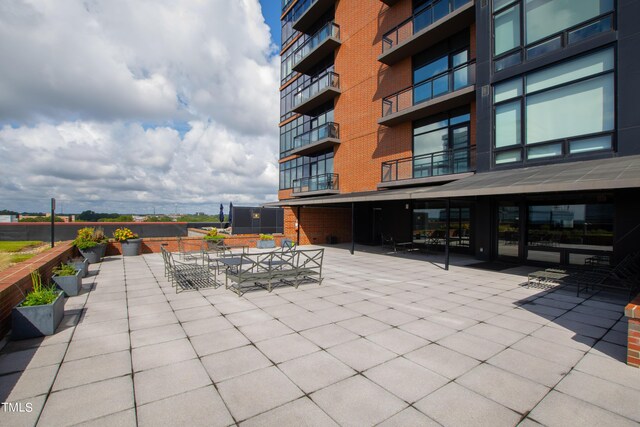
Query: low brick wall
(153, 244)
(16, 281)
(632, 311)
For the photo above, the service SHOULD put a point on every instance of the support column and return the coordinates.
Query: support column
(353, 227)
(446, 237)
(298, 227)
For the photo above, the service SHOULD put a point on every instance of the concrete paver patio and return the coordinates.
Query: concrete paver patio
(387, 339)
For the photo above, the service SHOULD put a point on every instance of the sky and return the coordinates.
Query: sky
(135, 106)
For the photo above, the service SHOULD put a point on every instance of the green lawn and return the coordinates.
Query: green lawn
(20, 257)
(17, 246)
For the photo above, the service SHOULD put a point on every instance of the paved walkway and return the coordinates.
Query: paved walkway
(389, 340)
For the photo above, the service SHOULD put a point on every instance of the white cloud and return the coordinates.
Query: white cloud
(92, 89)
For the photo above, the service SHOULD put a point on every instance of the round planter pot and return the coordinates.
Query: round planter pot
(214, 244)
(131, 247)
(94, 254)
(266, 244)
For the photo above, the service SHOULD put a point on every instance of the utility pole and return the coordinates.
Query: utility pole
(53, 220)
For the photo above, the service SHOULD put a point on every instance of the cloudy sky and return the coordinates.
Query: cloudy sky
(130, 106)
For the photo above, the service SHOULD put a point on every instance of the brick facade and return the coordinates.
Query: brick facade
(632, 311)
(317, 225)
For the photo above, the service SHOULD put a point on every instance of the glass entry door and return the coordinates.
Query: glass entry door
(508, 230)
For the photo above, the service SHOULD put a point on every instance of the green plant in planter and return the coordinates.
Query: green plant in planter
(65, 270)
(213, 236)
(266, 237)
(89, 237)
(40, 295)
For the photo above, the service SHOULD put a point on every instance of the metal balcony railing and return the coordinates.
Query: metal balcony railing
(330, 29)
(434, 12)
(446, 82)
(324, 182)
(324, 81)
(447, 162)
(327, 130)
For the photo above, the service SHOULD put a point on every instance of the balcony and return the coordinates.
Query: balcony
(316, 185)
(450, 89)
(324, 88)
(443, 166)
(321, 44)
(439, 21)
(318, 138)
(307, 12)
(390, 2)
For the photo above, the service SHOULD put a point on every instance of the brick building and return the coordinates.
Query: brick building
(505, 129)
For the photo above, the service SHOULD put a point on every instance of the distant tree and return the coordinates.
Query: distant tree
(200, 218)
(121, 218)
(8, 212)
(92, 216)
(158, 218)
(40, 219)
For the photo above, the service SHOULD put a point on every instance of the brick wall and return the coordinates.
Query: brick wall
(153, 244)
(16, 280)
(364, 82)
(316, 224)
(632, 311)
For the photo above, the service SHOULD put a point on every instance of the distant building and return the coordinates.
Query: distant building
(8, 218)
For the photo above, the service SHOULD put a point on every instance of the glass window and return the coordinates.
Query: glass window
(579, 226)
(547, 17)
(511, 156)
(544, 151)
(572, 70)
(578, 109)
(507, 90)
(590, 144)
(507, 30)
(431, 69)
(508, 126)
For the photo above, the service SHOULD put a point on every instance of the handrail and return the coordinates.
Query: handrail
(330, 29)
(327, 181)
(328, 79)
(327, 130)
(446, 162)
(416, 22)
(448, 81)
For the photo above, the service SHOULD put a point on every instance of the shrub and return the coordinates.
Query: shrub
(213, 235)
(266, 237)
(40, 295)
(65, 270)
(124, 234)
(89, 237)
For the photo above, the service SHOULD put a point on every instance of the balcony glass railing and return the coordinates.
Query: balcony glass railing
(327, 130)
(441, 84)
(330, 29)
(324, 182)
(419, 20)
(446, 162)
(324, 81)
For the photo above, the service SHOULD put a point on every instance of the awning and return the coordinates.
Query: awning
(592, 175)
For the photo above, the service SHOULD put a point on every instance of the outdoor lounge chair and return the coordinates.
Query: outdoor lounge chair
(187, 276)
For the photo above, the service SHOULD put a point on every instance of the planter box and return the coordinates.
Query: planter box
(36, 321)
(71, 285)
(83, 266)
(94, 254)
(266, 244)
(131, 247)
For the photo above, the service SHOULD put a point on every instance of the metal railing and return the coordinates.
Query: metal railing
(330, 29)
(435, 11)
(448, 81)
(329, 79)
(301, 7)
(445, 162)
(327, 130)
(327, 181)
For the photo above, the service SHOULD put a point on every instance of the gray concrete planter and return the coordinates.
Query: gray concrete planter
(131, 247)
(82, 265)
(71, 285)
(94, 254)
(38, 320)
(266, 244)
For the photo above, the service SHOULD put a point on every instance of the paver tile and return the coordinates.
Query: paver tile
(93, 369)
(235, 362)
(315, 371)
(170, 380)
(361, 354)
(286, 347)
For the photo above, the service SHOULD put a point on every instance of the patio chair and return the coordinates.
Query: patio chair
(187, 276)
(190, 255)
